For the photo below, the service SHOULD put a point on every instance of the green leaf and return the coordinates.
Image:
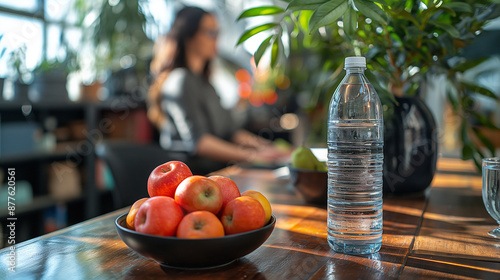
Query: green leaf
(304, 18)
(453, 101)
(403, 14)
(450, 29)
(478, 89)
(398, 42)
(464, 135)
(305, 5)
(262, 49)
(466, 101)
(487, 143)
(447, 44)
(261, 11)
(372, 52)
(467, 152)
(295, 32)
(448, 11)
(275, 52)
(371, 10)
(483, 120)
(468, 64)
(327, 13)
(380, 2)
(427, 13)
(350, 21)
(477, 160)
(255, 30)
(383, 93)
(460, 7)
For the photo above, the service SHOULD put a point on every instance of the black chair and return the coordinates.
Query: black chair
(130, 164)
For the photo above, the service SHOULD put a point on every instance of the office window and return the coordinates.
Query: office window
(24, 5)
(19, 31)
(60, 10)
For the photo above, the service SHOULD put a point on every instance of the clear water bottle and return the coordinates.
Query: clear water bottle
(355, 159)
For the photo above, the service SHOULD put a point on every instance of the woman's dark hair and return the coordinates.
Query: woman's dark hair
(186, 25)
(169, 54)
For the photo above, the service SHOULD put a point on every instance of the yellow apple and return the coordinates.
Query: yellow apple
(133, 211)
(262, 200)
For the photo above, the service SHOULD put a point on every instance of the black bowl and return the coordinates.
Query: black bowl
(311, 185)
(193, 253)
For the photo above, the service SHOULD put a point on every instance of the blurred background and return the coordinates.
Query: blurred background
(75, 73)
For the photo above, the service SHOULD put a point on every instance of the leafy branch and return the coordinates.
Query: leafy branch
(406, 41)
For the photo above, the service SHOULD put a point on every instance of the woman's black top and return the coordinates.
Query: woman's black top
(193, 109)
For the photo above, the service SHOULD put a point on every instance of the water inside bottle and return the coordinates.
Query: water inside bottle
(355, 166)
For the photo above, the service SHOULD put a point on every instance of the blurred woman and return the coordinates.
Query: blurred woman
(184, 106)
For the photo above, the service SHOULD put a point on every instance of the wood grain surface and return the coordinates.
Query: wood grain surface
(438, 234)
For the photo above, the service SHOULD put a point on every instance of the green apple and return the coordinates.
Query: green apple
(303, 158)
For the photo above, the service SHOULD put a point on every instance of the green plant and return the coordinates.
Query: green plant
(17, 64)
(405, 41)
(61, 67)
(117, 34)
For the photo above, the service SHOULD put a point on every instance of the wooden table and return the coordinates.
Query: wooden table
(439, 234)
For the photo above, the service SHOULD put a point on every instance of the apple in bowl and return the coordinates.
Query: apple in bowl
(198, 193)
(165, 178)
(133, 212)
(263, 201)
(228, 188)
(206, 223)
(159, 215)
(243, 214)
(200, 224)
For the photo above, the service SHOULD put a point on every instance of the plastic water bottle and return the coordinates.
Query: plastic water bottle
(355, 160)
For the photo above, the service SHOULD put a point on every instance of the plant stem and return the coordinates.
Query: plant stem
(397, 82)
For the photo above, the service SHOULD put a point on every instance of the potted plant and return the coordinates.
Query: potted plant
(18, 74)
(407, 43)
(50, 78)
(120, 45)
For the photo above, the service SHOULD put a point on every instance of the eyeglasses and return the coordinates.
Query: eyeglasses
(212, 33)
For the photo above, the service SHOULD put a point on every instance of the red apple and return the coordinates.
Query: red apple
(198, 193)
(133, 212)
(200, 224)
(228, 188)
(243, 214)
(165, 178)
(159, 215)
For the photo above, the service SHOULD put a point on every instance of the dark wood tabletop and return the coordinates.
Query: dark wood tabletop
(438, 234)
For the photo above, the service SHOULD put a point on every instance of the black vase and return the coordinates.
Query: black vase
(410, 146)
